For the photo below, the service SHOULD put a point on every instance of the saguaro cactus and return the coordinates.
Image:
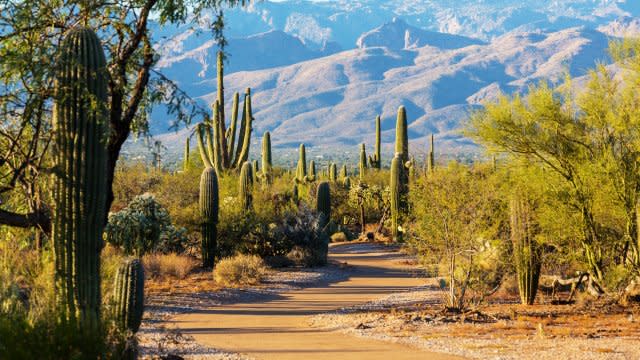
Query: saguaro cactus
(245, 188)
(323, 203)
(255, 171)
(526, 251)
(312, 171)
(187, 154)
(79, 176)
(363, 161)
(266, 158)
(333, 172)
(128, 295)
(301, 169)
(396, 195)
(209, 209)
(402, 138)
(343, 172)
(375, 159)
(431, 164)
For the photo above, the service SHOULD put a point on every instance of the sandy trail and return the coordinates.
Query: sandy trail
(278, 327)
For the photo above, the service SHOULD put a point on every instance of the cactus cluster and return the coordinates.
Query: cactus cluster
(375, 160)
(216, 143)
(79, 176)
(209, 207)
(128, 295)
(526, 251)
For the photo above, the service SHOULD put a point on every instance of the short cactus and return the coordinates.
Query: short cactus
(333, 172)
(209, 210)
(343, 172)
(323, 203)
(255, 171)
(128, 295)
(311, 176)
(301, 169)
(245, 188)
(396, 195)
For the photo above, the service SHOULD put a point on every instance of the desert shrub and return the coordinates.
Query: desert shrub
(239, 270)
(310, 241)
(168, 265)
(144, 226)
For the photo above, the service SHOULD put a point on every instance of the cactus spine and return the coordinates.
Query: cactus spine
(301, 169)
(245, 188)
(333, 172)
(209, 206)
(375, 160)
(267, 166)
(323, 203)
(396, 195)
(79, 177)
(128, 295)
(363, 161)
(526, 251)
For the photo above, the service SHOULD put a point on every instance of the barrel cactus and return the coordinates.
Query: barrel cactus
(245, 187)
(209, 210)
(395, 185)
(526, 251)
(80, 121)
(128, 295)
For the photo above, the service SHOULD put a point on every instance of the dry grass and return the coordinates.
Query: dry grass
(239, 270)
(168, 265)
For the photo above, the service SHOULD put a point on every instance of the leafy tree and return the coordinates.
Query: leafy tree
(30, 32)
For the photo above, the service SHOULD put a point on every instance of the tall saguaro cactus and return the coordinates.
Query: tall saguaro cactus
(402, 137)
(209, 209)
(526, 251)
(220, 144)
(187, 154)
(301, 169)
(363, 161)
(245, 187)
(431, 164)
(79, 176)
(395, 185)
(128, 295)
(267, 165)
(375, 160)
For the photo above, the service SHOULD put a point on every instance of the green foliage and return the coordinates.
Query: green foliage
(144, 226)
(527, 252)
(460, 230)
(128, 295)
(80, 160)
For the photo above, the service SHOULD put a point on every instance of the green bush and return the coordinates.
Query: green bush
(240, 270)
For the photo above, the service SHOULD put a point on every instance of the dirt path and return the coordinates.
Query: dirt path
(278, 328)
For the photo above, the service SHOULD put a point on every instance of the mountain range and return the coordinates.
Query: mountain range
(321, 71)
